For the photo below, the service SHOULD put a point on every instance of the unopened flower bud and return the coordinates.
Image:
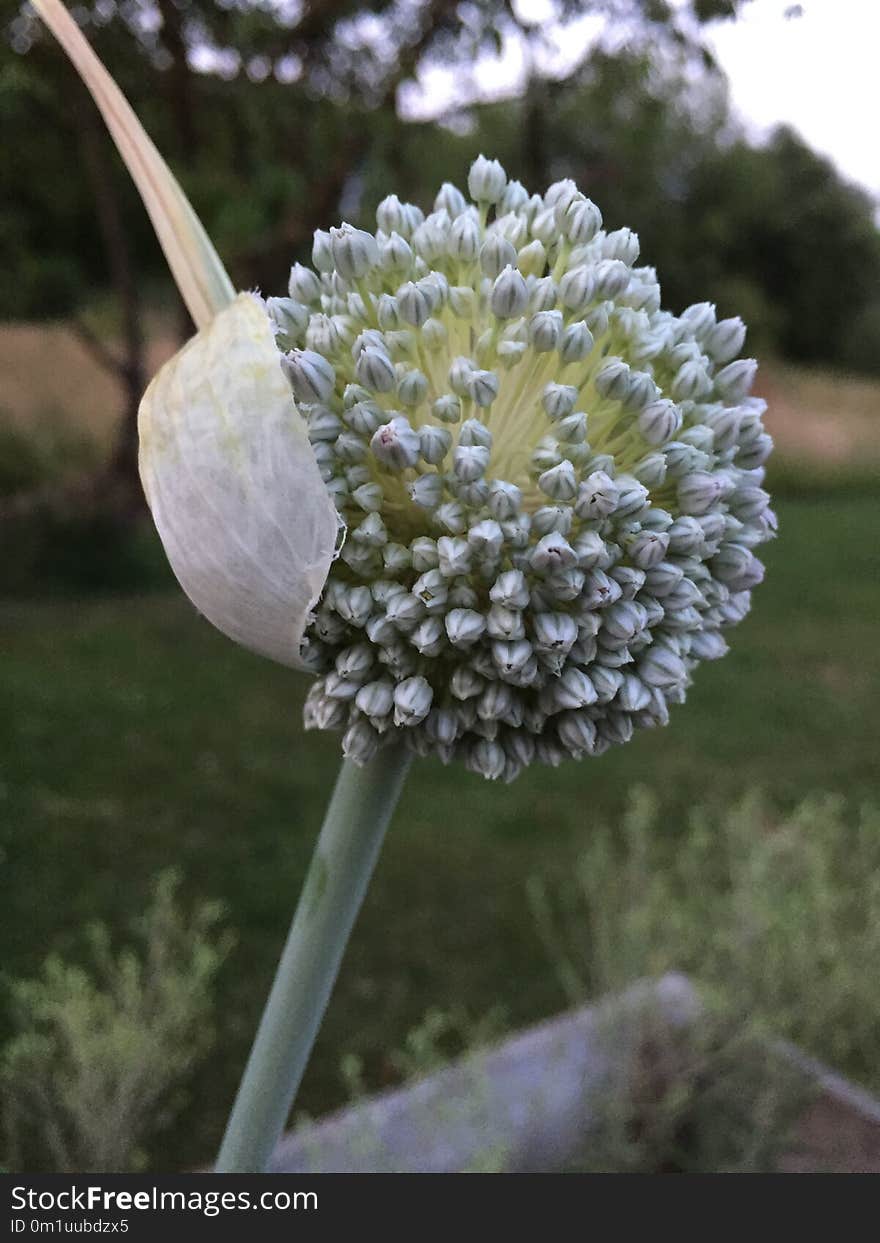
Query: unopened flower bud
(576, 288)
(311, 376)
(737, 567)
(661, 667)
(577, 732)
(725, 340)
(581, 221)
(554, 632)
(451, 200)
(429, 637)
(372, 531)
(354, 251)
(412, 701)
(651, 470)
(685, 535)
(322, 254)
(460, 372)
(634, 695)
(683, 459)
(543, 295)
(391, 216)
(434, 443)
(691, 382)
(560, 482)
(462, 301)
(505, 623)
(514, 198)
(430, 237)
(577, 343)
(621, 244)
(632, 497)
(486, 180)
(572, 690)
(697, 493)
(376, 699)
(659, 421)
(611, 277)
(509, 294)
(496, 254)
(749, 502)
(353, 604)
(552, 553)
(532, 259)
(395, 254)
(559, 400)
(396, 444)
(597, 496)
(464, 626)
(482, 387)
(700, 318)
(304, 285)
(708, 645)
(544, 226)
(290, 317)
(450, 516)
(545, 331)
(734, 382)
(426, 491)
(648, 549)
(756, 453)
(375, 370)
(486, 758)
(395, 558)
(455, 556)
(413, 304)
(613, 380)
(412, 389)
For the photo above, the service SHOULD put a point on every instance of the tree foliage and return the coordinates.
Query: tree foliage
(281, 118)
(267, 110)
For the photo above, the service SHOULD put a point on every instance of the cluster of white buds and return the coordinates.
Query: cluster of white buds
(552, 488)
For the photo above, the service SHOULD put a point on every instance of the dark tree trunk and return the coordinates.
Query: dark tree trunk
(182, 101)
(179, 78)
(118, 486)
(534, 135)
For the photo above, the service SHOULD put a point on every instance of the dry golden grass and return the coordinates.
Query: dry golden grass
(822, 417)
(46, 373)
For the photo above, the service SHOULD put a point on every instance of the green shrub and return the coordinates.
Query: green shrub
(707, 1097)
(100, 1056)
(778, 917)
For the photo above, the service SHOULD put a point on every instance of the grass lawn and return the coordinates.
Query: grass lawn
(134, 737)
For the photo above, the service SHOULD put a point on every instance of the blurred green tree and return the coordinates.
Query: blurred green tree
(782, 218)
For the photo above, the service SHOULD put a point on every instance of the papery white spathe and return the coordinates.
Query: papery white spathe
(228, 471)
(246, 521)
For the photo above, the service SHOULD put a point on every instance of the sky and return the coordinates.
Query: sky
(813, 65)
(818, 72)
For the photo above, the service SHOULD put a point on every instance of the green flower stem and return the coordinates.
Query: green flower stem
(360, 809)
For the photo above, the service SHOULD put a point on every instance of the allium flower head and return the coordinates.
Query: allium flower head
(551, 487)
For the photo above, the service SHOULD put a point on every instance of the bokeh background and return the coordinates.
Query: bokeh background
(738, 844)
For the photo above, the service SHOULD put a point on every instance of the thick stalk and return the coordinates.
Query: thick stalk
(345, 855)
